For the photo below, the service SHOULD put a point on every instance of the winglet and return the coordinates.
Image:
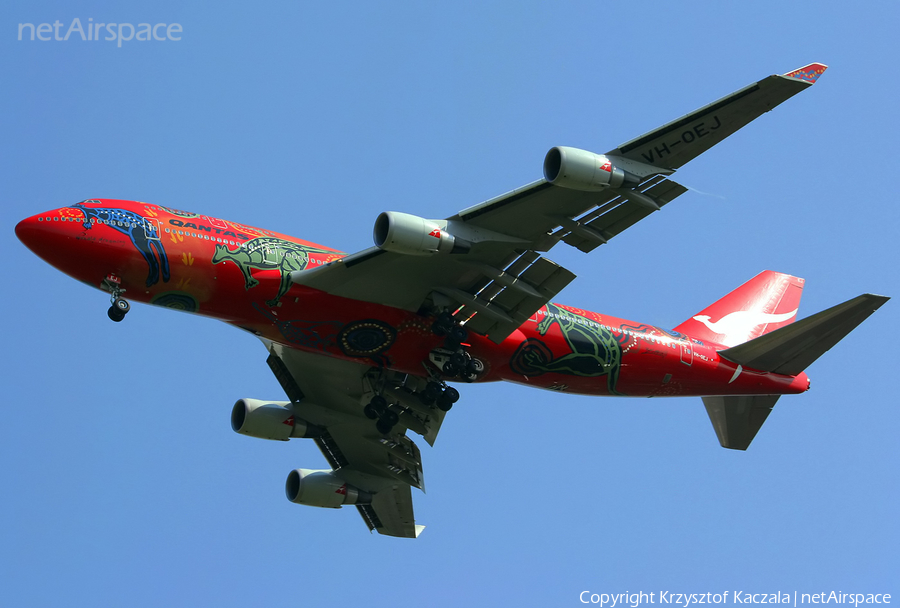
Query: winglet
(808, 73)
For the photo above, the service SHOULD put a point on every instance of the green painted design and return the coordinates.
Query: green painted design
(595, 351)
(267, 253)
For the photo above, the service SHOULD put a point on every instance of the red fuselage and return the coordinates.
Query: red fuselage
(240, 274)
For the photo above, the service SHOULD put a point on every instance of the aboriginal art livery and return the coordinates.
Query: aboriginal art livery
(143, 232)
(591, 349)
(267, 253)
(372, 345)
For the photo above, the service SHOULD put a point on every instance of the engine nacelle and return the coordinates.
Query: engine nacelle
(268, 420)
(583, 170)
(413, 235)
(322, 489)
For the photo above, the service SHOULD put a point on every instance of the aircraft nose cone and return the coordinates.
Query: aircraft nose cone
(29, 232)
(48, 234)
(60, 238)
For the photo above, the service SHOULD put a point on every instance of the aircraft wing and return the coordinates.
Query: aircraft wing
(328, 393)
(681, 140)
(502, 279)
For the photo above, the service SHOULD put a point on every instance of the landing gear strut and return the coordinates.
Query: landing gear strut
(120, 305)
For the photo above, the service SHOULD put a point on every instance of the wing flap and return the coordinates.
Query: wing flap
(393, 508)
(500, 309)
(615, 216)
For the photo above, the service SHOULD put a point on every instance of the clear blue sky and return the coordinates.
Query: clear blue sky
(123, 483)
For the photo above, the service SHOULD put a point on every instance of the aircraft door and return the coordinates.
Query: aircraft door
(151, 229)
(272, 255)
(687, 352)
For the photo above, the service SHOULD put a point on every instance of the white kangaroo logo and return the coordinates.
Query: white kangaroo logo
(736, 325)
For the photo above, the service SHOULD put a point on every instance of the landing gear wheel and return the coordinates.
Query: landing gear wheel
(122, 305)
(472, 369)
(458, 360)
(390, 417)
(447, 399)
(443, 324)
(375, 407)
(450, 370)
(118, 309)
(455, 337)
(114, 314)
(430, 393)
(383, 427)
(458, 334)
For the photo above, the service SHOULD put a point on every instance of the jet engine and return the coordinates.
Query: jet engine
(413, 235)
(268, 420)
(583, 170)
(322, 489)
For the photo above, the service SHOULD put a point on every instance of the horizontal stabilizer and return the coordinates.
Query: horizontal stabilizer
(737, 419)
(791, 349)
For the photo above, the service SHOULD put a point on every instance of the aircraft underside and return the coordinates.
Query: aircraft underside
(366, 345)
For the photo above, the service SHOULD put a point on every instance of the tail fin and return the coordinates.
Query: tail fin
(766, 302)
(790, 350)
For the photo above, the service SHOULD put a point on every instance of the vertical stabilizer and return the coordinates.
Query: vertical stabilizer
(764, 303)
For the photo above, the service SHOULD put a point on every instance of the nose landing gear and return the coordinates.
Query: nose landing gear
(119, 309)
(120, 305)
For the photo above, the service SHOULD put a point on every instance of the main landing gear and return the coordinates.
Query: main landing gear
(409, 398)
(453, 360)
(120, 305)
(439, 394)
(413, 399)
(377, 409)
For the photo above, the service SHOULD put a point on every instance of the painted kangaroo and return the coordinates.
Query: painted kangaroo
(267, 253)
(143, 234)
(595, 351)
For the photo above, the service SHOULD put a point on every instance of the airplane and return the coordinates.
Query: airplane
(365, 344)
